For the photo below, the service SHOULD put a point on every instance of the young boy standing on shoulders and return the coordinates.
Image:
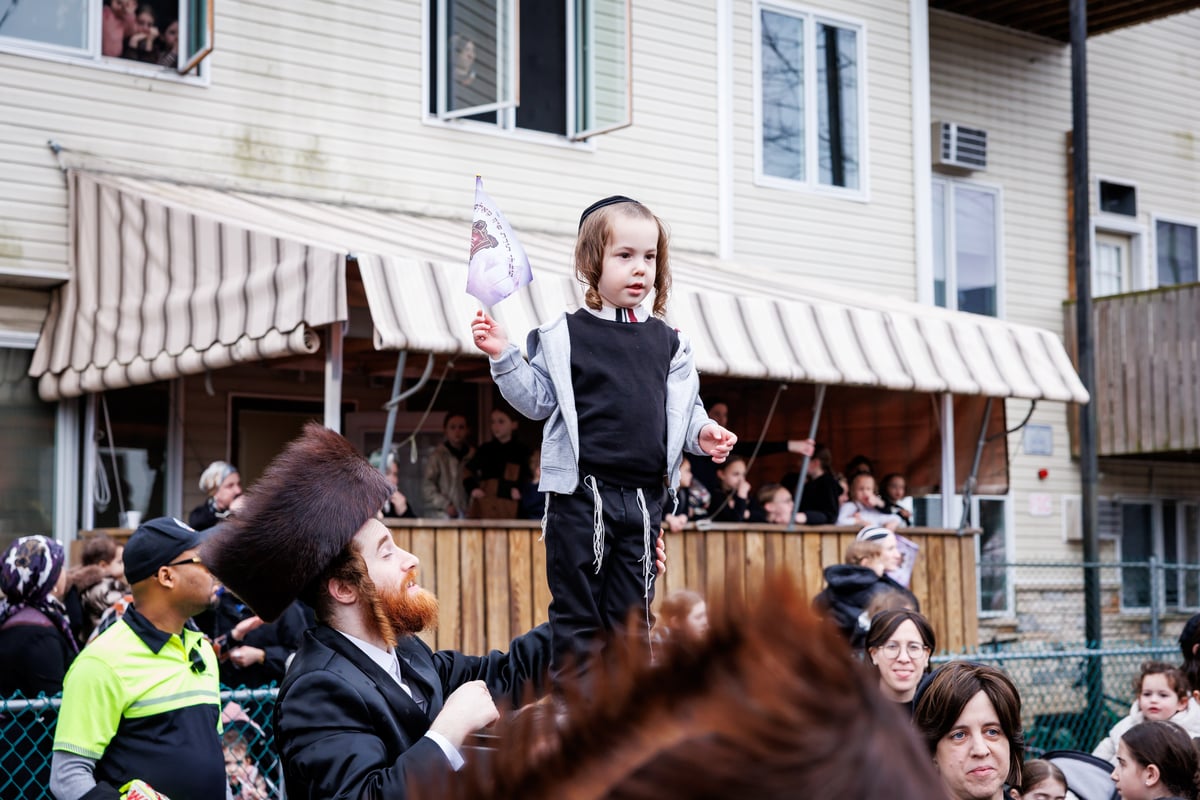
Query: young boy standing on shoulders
(620, 391)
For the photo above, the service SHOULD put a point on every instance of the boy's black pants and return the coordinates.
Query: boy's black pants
(585, 605)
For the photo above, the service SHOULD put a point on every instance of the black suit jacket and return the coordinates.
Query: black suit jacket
(345, 728)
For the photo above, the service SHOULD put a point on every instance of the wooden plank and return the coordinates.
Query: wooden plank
(831, 550)
(451, 581)
(774, 558)
(423, 545)
(735, 568)
(1110, 426)
(804, 552)
(714, 579)
(952, 570)
(1145, 399)
(1161, 334)
(497, 591)
(933, 605)
(970, 617)
(476, 578)
(541, 588)
(520, 581)
(919, 585)
(695, 561)
(755, 558)
(1189, 336)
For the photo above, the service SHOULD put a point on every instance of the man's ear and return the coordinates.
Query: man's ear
(342, 592)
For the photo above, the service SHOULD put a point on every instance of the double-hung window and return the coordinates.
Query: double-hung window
(558, 66)
(966, 247)
(809, 100)
(1175, 251)
(1160, 547)
(159, 35)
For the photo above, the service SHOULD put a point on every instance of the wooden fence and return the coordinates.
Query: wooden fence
(490, 577)
(1147, 370)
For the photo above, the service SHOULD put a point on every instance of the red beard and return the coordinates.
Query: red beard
(399, 612)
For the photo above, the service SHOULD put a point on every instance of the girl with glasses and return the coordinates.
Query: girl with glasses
(899, 644)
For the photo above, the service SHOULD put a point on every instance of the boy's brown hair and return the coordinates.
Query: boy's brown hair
(858, 552)
(594, 235)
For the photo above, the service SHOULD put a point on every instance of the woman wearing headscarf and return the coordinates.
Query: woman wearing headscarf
(221, 482)
(36, 644)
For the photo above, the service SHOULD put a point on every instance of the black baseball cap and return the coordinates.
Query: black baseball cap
(157, 543)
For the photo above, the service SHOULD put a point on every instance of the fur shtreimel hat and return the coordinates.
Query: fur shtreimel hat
(299, 516)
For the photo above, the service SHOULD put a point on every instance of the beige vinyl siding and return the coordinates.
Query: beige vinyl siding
(326, 101)
(862, 242)
(1147, 77)
(1017, 88)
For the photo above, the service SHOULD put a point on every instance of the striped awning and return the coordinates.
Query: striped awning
(173, 279)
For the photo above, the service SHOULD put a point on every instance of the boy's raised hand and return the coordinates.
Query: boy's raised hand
(717, 442)
(488, 335)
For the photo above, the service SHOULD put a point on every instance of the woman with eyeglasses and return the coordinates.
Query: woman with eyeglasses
(899, 644)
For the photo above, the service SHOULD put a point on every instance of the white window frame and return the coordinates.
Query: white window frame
(506, 112)
(950, 239)
(1157, 541)
(90, 55)
(811, 183)
(1152, 267)
(1115, 225)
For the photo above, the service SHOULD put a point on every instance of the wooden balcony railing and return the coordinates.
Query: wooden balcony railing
(1147, 347)
(490, 576)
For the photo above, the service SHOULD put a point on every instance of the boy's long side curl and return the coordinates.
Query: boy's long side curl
(594, 234)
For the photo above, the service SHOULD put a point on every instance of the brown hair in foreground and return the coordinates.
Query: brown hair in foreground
(771, 705)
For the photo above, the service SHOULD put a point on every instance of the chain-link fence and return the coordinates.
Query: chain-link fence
(1032, 625)
(253, 769)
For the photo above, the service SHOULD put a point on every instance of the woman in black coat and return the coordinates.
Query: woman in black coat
(36, 645)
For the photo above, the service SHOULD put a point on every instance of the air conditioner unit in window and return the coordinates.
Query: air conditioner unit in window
(959, 147)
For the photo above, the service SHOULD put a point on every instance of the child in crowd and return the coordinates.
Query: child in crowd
(1156, 761)
(895, 497)
(502, 462)
(533, 501)
(1162, 693)
(863, 506)
(245, 781)
(1040, 780)
(850, 587)
(691, 500)
(94, 585)
(621, 394)
(735, 503)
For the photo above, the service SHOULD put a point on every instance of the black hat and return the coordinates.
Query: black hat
(295, 521)
(155, 544)
(599, 204)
